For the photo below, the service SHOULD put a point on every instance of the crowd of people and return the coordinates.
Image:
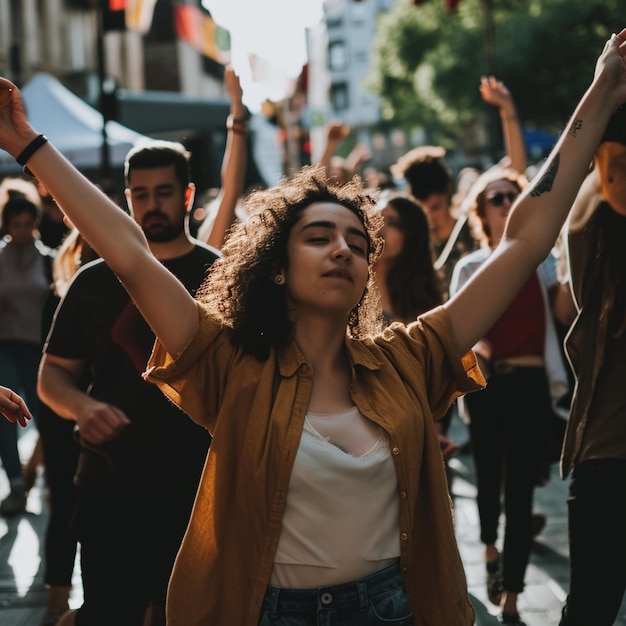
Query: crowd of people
(252, 429)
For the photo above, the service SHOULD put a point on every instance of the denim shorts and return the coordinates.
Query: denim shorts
(377, 599)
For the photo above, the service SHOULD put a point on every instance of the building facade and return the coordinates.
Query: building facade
(162, 86)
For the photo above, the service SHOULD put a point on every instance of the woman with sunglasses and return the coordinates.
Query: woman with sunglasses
(510, 418)
(323, 499)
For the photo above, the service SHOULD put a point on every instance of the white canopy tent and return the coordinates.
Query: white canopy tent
(74, 127)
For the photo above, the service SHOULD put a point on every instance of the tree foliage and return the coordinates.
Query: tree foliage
(427, 62)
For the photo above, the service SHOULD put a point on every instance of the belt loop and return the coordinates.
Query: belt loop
(274, 602)
(361, 586)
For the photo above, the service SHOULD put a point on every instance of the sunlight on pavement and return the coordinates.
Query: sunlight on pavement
(24, 557)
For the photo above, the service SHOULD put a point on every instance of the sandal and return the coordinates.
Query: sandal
(494, 581)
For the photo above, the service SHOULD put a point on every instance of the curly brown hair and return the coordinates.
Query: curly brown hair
(239, 289)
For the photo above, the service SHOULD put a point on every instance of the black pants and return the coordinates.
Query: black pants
(508, 429)
(597, 543)
(128, 545)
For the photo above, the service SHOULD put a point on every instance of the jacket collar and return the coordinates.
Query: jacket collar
(290, 358)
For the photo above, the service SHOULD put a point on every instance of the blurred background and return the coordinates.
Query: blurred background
(399, 73)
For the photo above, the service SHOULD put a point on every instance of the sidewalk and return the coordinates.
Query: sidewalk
(22, 592)
(547, 576)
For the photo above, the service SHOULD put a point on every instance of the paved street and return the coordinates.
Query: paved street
(547, 576)
(22, 594)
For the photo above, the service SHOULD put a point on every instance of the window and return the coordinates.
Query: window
(337, 56)
(339, 96)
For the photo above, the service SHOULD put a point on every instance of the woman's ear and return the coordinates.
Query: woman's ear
(279, 278)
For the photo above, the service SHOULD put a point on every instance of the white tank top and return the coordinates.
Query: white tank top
(341, 519)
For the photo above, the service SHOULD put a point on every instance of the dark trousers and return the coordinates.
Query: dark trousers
(597, 543)
(19, 362)
(60, 451)
(509, 424)
(129, 541)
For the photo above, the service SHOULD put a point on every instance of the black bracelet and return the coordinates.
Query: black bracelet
(30, 149)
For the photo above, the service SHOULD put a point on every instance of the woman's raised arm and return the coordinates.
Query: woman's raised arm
(161, 298)
(538, 214)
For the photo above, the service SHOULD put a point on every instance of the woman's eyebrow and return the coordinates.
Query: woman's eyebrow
(328, 224)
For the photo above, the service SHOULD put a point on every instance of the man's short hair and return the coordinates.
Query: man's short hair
(425, 171)
(159, 153)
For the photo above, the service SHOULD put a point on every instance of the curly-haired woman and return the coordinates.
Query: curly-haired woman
(323, 496)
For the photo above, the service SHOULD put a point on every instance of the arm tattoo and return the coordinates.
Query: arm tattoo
(575, 126)
(547, 179)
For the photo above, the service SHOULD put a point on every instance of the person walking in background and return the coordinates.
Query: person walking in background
(24, 279)
(430, 182)
(509, 427)
(307, 397)
(140, 458)
(594, 451)
(405, 277)
(61, 448)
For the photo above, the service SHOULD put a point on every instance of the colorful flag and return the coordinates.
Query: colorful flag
(197, 28)
(139, 14)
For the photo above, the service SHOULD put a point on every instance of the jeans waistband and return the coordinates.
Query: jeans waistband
(351, 594)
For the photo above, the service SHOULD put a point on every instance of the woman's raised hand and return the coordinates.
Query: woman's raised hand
(15, 130)
(611, 67)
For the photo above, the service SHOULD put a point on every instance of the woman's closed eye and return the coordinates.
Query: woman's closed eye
(358, 248)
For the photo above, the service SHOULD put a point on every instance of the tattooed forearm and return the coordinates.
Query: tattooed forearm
(575, 126)
(546, 181)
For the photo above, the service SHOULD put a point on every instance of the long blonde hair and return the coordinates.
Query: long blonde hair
(71, 255)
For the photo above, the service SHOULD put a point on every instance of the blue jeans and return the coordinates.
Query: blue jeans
(19, 362)
(377, 599)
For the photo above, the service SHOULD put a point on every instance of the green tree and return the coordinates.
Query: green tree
(427, 62)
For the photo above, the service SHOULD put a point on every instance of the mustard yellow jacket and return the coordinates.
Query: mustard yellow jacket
(402, 380)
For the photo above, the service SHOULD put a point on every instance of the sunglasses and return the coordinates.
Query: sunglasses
(498, 198)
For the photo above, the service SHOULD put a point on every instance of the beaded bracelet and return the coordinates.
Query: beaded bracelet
(30, 149)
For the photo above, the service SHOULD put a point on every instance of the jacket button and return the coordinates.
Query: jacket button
(404, 536)
(395, 450)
